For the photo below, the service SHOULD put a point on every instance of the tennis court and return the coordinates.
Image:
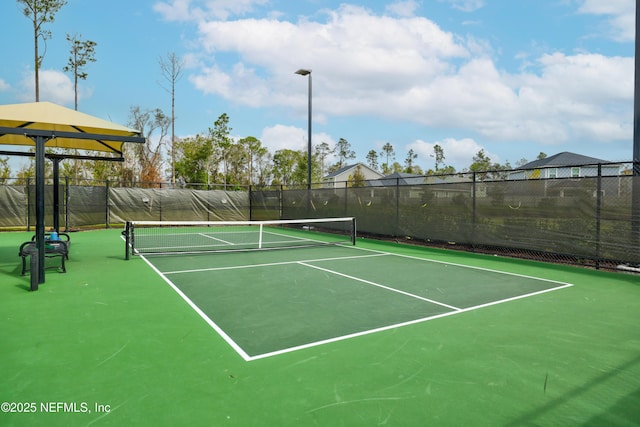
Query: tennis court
(269, 302)
(376, 333)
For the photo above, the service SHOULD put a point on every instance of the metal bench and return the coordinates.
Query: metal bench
(60, 237)
(52, 249)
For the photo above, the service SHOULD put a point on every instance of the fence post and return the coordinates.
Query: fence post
(397, 227)
(250, 204)
(281, 201)
(598, 215)
(106, 204)
(635, 202)
(346, 201)
(66, 202)
(473, 210)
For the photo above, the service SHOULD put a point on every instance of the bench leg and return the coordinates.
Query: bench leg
(63, 267)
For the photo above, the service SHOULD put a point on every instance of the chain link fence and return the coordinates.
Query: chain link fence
(586, 215)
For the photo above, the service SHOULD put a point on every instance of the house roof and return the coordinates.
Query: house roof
(396, 178)
(563, 159)
(406, 178)
(348, 168)
(339, 171)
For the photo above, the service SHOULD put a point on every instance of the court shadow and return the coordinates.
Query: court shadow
(626, 408)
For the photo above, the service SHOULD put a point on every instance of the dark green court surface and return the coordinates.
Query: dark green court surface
(379, 334)
(268, 302)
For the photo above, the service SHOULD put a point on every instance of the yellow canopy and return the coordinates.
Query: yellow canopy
(61, 122)
(47, 125)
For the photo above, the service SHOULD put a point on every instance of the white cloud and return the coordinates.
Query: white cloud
(621, 15)
(609, 7)
(175, 10)
(55, 86)
(466, 5)
(279, 137)
(355, 55)
(409, 69)
(4, 86)
(198, 10)
(458, 152)
(403, 8)
(571, 91)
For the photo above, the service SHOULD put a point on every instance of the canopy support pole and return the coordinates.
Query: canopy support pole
(56, 193)
(40, 142)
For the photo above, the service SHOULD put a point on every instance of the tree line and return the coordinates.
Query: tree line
(216, 157)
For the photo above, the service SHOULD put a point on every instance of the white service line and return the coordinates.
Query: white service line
(380, 286)
(215, 238)
(235, 267)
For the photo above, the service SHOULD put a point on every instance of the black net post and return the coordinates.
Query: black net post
(354, 234)
(127, 237)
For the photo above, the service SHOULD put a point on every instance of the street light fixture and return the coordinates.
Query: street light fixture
(305, 72)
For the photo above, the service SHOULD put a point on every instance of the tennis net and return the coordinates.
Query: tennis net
(161, 237)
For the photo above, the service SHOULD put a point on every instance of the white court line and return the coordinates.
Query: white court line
(235, 267)
(297, 239)
(273, 233)
(206, 318)
(465, 266)
(398, 325)
(379, 285)
(215, 238)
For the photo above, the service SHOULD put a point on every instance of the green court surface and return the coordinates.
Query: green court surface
(376, 334)
(275, 301)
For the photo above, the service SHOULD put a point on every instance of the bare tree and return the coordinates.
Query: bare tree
(171, 68)
(149, 155)
(81, 53)
(40, 12)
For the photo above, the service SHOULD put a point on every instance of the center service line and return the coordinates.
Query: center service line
(380, 286)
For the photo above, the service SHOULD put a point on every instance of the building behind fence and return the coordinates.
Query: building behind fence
(586, 219)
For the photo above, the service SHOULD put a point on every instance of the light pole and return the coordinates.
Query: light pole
(635, 192)
(304, 72)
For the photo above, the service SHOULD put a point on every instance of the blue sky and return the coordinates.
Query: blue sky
(513, 78)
